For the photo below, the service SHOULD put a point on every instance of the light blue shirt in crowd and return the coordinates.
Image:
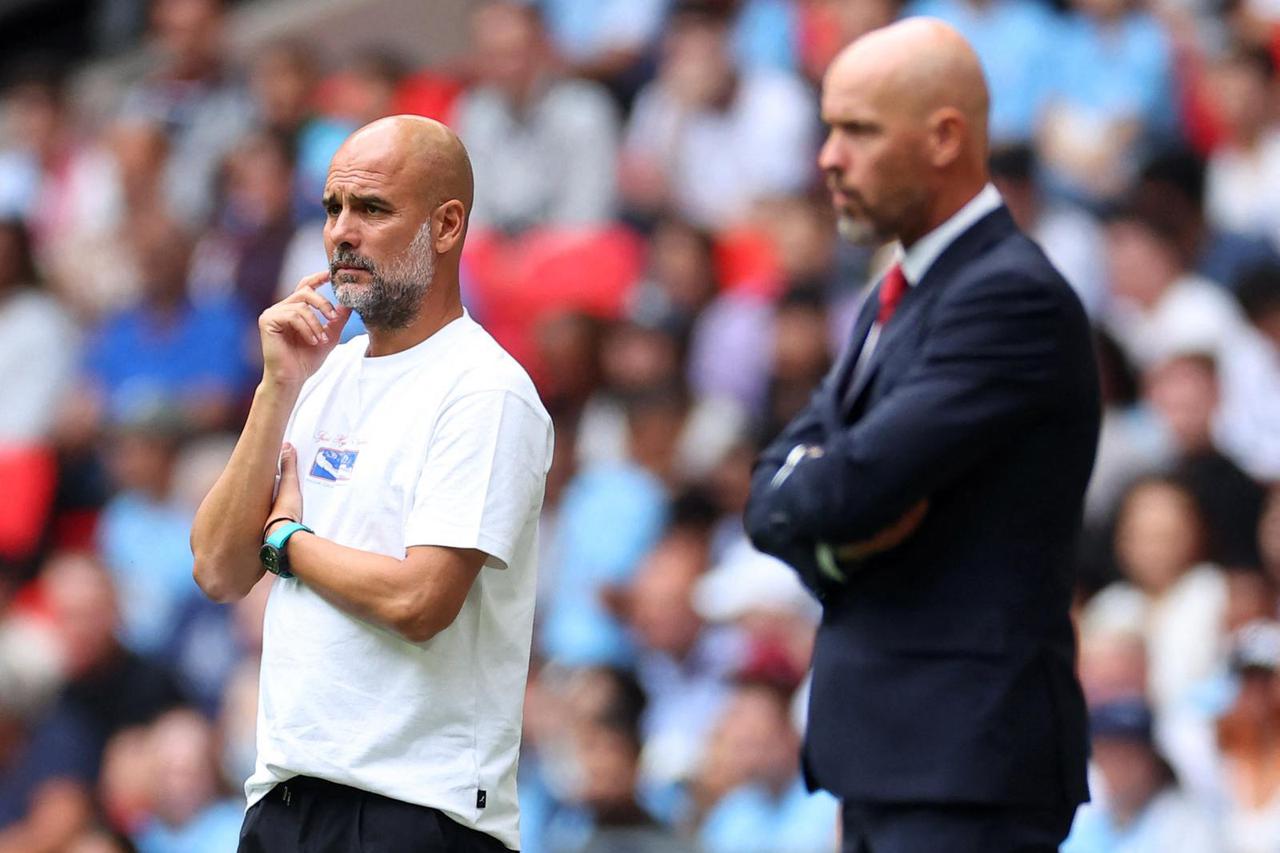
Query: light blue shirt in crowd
(750, 820)
(214, 830)
(1017, 41)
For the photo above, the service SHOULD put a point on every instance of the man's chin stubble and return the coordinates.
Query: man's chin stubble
(857, 231)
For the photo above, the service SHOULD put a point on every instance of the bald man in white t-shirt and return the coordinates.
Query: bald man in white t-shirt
(402, 528)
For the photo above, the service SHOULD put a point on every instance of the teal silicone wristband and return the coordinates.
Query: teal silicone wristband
(273, 555)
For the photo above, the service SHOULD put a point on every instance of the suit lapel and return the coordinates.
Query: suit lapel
(861, 327)
(912, 310)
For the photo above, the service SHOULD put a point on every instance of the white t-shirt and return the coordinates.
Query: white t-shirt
(445, 444)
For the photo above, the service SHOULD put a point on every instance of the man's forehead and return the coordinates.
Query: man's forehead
(840, 100)
(860, 86)
(369, 160)
(355, 177)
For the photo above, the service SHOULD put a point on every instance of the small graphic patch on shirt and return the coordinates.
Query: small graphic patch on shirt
(333, 465)
(481, 798)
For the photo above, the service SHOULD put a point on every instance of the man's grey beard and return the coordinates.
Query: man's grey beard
(393, 296)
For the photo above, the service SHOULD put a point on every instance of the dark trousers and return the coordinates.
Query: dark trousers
(306, 815)
(944, 828)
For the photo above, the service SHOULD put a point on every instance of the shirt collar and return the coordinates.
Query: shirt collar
(917, 260)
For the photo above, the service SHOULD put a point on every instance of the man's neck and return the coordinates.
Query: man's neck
(433, 317)
(947, 205)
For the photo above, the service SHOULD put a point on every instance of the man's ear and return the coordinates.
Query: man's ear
(450, 224)
(948, 130)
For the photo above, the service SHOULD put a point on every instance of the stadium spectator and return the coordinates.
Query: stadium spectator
(1170, 595)
(608, 752)
(168, 351)
(644, 411)
(801, 356)
(826, 26)
(682, 666)
(1183, 391)
(241, 256)
(765, 33)
(1247, 738)
(1140, 809)
(1158, 305)
(1259, 295)
(545, 144)
(1111, 95)
(1269, 537)
(46, 794)
(1172, 182)
(762, 599)
(194, 98)
(707, 138)
(1019, 44)
(1069, 235)
(680, 279)
(609, 41)
(1249, 426)
(769, 808)
(1131, 444)
(94, 271)
(39, 343)
(1244, 94)
(190, 811)
(1113, 663)
(594, 552)
(143, 531)
(54, 175)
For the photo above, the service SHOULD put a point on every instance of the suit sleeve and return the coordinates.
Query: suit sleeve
(986, 369)
(804, 428)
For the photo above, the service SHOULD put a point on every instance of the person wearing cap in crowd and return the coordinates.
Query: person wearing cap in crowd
(1140, 808)
(1249, 742)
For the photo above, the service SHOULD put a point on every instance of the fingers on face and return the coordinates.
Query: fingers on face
(306, 292)
(312, 281)
(303, 321)
(306, 295)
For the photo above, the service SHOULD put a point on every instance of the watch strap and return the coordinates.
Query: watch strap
(280, 536)
(274, 556)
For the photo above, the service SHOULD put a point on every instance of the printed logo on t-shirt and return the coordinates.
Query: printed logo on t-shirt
(333, 465)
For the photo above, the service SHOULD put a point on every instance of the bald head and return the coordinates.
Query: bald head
(920, 65)
(397, 199)
(417, 149)
(907, 105)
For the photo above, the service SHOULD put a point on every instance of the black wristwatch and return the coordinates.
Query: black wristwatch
(273, 554)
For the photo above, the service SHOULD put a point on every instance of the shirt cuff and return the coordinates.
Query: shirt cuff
(826, 559)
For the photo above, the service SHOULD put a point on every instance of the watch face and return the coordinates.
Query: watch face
(270, 558)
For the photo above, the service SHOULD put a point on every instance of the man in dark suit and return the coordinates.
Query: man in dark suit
(931, 492)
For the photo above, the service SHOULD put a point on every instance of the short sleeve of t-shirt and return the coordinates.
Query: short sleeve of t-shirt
(484, 475)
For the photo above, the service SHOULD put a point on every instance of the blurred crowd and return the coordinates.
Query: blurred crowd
(651, 238)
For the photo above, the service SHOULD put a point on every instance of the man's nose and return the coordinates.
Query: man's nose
(344, 232)
(831, 157)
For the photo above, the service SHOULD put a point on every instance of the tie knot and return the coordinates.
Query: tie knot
(892, 287)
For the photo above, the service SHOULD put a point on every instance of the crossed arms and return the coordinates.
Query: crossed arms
(416, 597)
(983, 371)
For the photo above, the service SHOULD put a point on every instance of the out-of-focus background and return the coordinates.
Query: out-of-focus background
(652, 240)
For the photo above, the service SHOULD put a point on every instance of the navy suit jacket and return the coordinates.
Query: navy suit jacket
(944, 669)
